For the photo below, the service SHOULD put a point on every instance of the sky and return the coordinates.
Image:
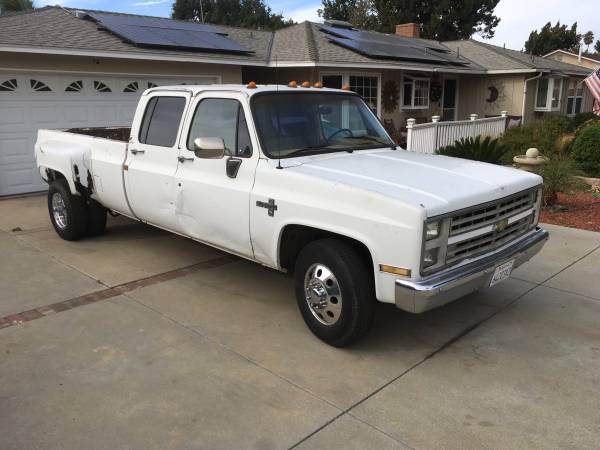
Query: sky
(518, 17)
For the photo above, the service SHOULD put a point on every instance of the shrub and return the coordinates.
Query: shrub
(586, 149)
(580, 119)
(559, 176)
(541, 134)
(478, 149)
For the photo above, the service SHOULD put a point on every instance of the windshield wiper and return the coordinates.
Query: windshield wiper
(310, 151)
(373, 139)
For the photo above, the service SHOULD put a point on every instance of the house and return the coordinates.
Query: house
(64, 68)
(591, 62)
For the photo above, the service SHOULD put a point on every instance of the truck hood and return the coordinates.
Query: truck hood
(440, 184)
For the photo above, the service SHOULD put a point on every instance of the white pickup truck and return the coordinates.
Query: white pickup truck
(306, 181)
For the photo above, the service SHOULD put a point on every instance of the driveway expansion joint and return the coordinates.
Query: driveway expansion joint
(111, 292)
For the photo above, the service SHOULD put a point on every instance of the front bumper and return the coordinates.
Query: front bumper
(448, 285)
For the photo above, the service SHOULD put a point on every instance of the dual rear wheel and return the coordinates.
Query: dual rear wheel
(72, 217)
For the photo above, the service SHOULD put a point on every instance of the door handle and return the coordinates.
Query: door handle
(135, 152)
(183, 159)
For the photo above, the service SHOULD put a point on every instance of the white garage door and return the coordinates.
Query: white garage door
(29, 101)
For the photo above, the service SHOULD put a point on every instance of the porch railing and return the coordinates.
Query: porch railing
(431, 136)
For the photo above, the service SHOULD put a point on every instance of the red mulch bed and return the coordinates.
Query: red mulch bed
(583, 212)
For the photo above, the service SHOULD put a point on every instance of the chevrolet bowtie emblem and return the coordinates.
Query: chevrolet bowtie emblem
(270, 206)
(502, 225)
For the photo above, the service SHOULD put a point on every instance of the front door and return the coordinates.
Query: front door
(213, 195)
(153, 158)
(449, 102)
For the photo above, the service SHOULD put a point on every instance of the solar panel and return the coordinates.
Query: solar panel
(386, 46)
(167, 33)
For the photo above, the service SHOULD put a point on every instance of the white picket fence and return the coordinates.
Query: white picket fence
(428, 137)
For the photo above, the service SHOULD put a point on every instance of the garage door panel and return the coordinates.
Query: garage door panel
(15, 149)
(48, 115)
(11, 116)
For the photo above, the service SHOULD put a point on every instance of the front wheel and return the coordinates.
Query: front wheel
(334, 291)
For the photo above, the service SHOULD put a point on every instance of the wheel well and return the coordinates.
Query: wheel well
(295, 237)
(53, 175)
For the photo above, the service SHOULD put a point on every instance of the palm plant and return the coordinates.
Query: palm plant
(15, 5)
(484, 149)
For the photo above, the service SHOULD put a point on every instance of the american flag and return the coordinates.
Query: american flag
(593, 84)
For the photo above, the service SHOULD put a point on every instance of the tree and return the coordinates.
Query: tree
(239, 13)
(441, 19)
(550, 38)
(15, 5)
(588, 39)
(597, 46)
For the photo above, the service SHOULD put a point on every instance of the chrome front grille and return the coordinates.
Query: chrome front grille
(487, 242)
(491, 213)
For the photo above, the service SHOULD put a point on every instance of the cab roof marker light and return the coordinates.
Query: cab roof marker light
(293, 84)
(306, 84)
(251, 85)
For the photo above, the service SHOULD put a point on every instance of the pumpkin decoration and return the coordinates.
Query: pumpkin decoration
(390, 96)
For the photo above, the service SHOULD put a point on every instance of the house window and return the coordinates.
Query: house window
(367, 86)
(39, 86)
(548, 94)
(415, 93)
(574, 97)
(132, 87)
(75, 86)
(9, 85)
(99, 86)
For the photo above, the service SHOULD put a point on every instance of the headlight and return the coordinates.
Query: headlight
(432, 230)
(430, 257)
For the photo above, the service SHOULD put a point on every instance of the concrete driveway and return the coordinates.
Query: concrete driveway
(144, 340)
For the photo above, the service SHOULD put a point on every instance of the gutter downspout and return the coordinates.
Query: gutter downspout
(525, 95)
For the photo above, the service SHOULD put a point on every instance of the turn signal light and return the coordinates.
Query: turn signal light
(251, 85)
(292, 84)
(395, 270)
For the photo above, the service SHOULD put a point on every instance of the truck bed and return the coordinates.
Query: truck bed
(114, 133)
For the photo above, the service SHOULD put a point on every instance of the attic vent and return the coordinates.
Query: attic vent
(101, 87)
(339, 24)
(39, 86)
(9, 86)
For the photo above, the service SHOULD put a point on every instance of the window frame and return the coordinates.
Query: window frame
(346, 81)
(240, 110)
(412, 82)
(156, 98)
(549, 95)
(575, 83)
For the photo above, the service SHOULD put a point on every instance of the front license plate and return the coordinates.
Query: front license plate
(502, 272)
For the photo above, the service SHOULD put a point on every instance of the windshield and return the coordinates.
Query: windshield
(291, 124)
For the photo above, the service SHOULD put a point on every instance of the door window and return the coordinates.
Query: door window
(161, 121)
(224, 118)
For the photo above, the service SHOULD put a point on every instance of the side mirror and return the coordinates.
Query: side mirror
(209, 147)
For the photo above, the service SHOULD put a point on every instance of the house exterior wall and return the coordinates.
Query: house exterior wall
(475, 95)
(574, 59)
(228, 73)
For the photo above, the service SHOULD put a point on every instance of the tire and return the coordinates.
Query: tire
(342, 294)
(96, 218)
(68, 212)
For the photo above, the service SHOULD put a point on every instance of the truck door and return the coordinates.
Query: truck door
(153, 157)
(213, 195)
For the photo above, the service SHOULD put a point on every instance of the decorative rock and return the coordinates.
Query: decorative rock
(532, 153)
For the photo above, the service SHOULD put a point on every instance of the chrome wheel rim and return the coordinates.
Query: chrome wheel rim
(59, 211)
(323, 294)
